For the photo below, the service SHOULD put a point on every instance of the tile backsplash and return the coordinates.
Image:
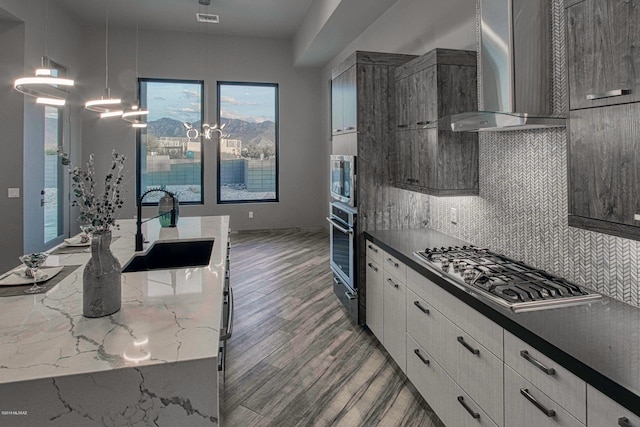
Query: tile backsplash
(522, 207)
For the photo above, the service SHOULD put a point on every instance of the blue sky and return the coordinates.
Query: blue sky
(181, 101)
(249, 103)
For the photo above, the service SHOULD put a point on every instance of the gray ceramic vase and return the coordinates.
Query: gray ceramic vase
(101, 284)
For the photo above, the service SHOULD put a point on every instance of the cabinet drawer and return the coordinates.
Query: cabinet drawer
(395, 267)
(452, 405)
(455, 351)
(481, 328)
(602, 411)
(426, 325)
(374, 252)
(552, 379)
(535, 409)
(478, 371)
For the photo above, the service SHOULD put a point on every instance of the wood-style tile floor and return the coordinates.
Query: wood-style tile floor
(295, 359)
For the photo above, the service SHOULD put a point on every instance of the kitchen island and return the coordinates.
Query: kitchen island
(154, 362)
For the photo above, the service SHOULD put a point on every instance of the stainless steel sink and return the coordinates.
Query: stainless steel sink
(167, 255)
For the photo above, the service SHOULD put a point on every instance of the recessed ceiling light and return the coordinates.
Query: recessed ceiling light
(207, 18)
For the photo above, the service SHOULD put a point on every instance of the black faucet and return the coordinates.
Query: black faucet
(139, 221)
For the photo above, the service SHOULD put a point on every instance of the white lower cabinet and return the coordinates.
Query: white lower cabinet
(375, 298)
(602, 411)
(395, 319)
(558, 383)
(478, 371)
(450, 402)
(527, 406)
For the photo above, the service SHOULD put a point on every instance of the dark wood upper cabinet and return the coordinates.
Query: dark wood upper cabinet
(603, 62)
(603, 52)
(430, 158)
(604, 169)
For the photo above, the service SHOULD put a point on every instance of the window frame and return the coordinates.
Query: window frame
(277, 142)
(143, 104)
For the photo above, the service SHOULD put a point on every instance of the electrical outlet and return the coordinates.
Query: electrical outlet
(454, 215)
(13, 193)
(250, 214)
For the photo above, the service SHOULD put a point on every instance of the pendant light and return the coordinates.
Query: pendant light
(105, 105)
(45, 86)
(136, 115)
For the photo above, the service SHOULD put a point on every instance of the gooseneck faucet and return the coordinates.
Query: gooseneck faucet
(139, 221)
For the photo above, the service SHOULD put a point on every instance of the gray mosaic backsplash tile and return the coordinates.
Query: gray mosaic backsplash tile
(522, 207)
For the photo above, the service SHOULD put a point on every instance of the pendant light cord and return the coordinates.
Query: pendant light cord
(137, 33)
(106, 50)
(46, 30)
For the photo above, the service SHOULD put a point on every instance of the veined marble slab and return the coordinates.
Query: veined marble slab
(170, 320)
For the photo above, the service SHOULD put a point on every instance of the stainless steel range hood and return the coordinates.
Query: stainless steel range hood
(515, 69)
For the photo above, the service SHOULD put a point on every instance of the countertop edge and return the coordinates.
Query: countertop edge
(610, 388)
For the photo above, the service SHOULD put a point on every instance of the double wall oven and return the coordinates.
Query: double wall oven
(342, 230)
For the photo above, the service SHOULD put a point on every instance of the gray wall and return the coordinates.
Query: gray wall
(11, 120)
(199, 56)
(22, 124)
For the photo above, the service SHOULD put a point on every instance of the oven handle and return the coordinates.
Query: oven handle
(339, 227)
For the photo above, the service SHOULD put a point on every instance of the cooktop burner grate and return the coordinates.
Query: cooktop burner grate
(504, 280)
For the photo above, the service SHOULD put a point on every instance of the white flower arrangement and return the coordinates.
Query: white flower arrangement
(98, 212)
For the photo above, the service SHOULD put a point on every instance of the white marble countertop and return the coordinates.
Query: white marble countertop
(167, 316)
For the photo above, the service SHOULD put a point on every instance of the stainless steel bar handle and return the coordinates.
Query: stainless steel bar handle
(422, 123)
(422, 309)
(229, 325)
(339, 227)
(421, 357)
(373, 267)
(471, 412)
(394, 284)
(608, 94)
(548, 412)
(350, 128)
(373, 248)
(468, 347)
(624, 422)
(349, 295)
(392, 262)
(526, 356)
(337, 130)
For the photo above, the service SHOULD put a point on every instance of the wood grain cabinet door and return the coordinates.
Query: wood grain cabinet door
(402, 103)
(604, 168)
(603, 52)
(350, 99)
(337, 120)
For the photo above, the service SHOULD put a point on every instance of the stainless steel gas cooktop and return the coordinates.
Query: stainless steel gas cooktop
(505, 281)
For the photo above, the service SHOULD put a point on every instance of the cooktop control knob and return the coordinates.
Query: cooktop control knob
(469, 274)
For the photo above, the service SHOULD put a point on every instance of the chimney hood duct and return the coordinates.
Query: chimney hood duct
(515, 69)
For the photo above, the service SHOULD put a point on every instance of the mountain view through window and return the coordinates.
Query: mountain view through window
(168, 159)
(248, 146)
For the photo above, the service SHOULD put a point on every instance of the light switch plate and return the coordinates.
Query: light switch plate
(13, 193)
(636, 217)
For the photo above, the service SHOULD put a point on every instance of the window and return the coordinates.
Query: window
(52, 193)
(248, 146)
(166, 158)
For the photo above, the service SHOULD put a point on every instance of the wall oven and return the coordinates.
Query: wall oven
(342, 232)
(343, 179)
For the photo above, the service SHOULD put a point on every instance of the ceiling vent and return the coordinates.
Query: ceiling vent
(207, 18)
